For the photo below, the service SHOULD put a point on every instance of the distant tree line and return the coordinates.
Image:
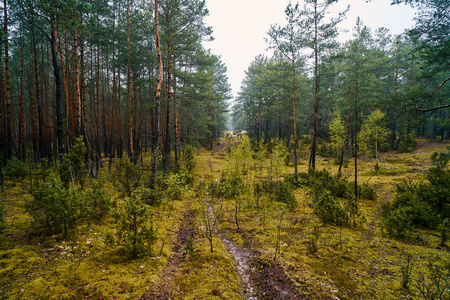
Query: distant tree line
(89, 68)
(312, 79)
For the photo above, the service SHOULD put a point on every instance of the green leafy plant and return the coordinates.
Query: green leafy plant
(133, 231)
(77, 156)
(126, 177)
(283, 194)
(329, 209)
(15, 169)
(98, 201)
(406, 268)
(55, 208)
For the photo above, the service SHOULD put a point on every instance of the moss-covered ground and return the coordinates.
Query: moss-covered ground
(348, 262)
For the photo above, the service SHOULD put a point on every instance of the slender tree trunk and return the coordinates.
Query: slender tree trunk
(294, 104)
(21, 109)
(169, 98)
(129, 102)
(59, 91)
(77, 100)
(316, 91)
(158, 96)
(347, 125)
(98, 146)
(9, 112)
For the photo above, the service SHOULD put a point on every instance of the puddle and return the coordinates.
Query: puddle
(242, 259)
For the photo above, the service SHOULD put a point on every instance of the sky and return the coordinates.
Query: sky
(240, 27)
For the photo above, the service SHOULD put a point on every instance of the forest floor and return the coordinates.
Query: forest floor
(267, 256)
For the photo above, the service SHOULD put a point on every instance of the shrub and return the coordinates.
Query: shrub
(126, 177)
(98, 200)
(230, 186)
(174, 185)
(435, 284)
(406, 268)
(133, 231)
(190, 161)
(329, 209)
(15, 169)
(444, 228)
(284, 194)
(55, 208)
(397, 223)
(407, 142)
(2, 218)
(76, 157)
(367, 192)
(64, 172)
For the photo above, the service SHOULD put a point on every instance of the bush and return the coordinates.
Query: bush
(15, 169)
(397, 223)
(2, 218)
(329, 209)
(230, 186)
(126, 177)
(407, 142)
(424, 204)
(283, 194)
(367, 192)
(190, 162)
(434, 284)
(133, 231)
(98, 201)
(76, 157)
(55, 208)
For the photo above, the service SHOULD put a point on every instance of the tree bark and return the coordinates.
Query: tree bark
(59, 91)
(129, 102)
(9, 113)
(158, 96)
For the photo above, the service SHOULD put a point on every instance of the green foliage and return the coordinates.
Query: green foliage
(336, 132)
(230, 186)
(421, 204)
(372, 134)
(323, 180)
(435, 283)
(444, 229)
(407, 142)
(329, 209)
(406, 269)
(64, 172)
(173, 186)
(189, 159)
(77, 156)
(241, 155)
(126, 177)
(55, 208)
(2, 218)
(283, 194)
(367, 192)
(133, 231)
(98, 201)
(15, 169)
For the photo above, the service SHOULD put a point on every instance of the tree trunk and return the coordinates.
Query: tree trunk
(9, 112)
(77, 100)
(129, 104)
(158, 96)
(21, 109)
(59, 91)
(316, 92)
(294, 104)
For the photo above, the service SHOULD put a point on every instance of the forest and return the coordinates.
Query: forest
(129, 171)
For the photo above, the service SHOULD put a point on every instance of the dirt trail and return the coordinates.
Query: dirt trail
(260, 279)
(165, 286)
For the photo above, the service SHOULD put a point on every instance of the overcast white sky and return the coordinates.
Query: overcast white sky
(240, 26)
